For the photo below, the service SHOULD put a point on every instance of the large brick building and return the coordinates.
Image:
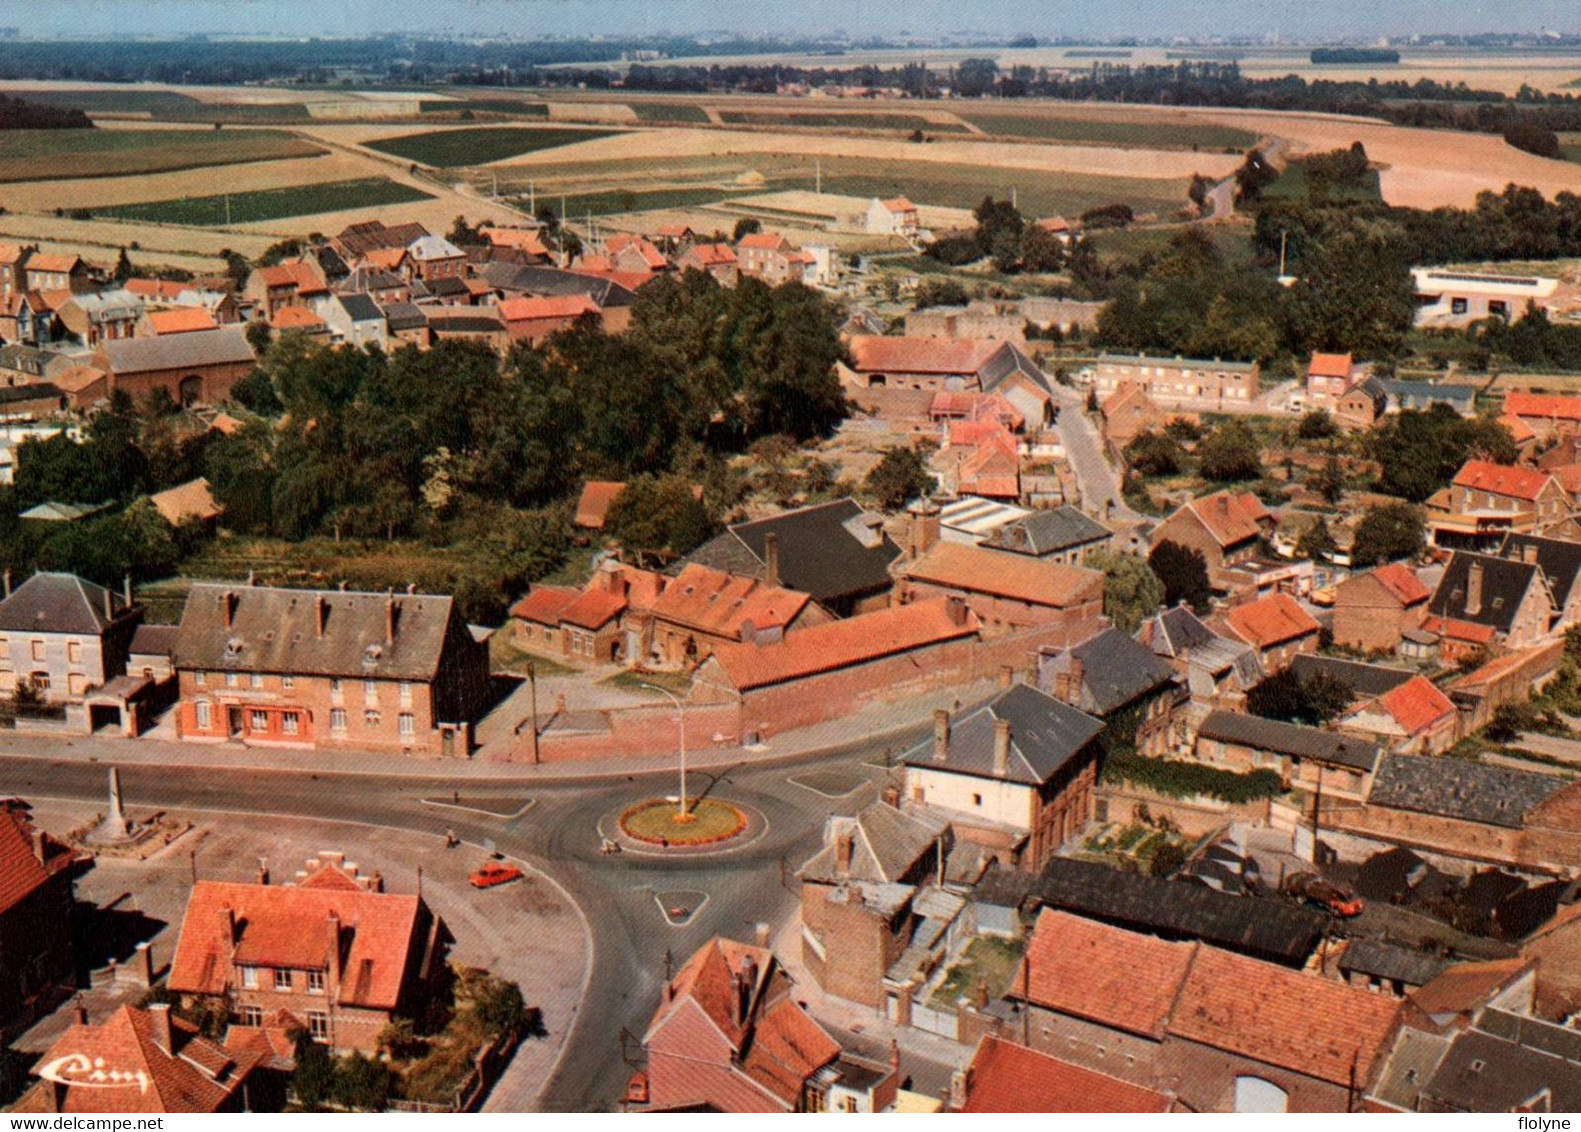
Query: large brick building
(1006, 591)
(1176, 381)
(63, 637)
(196, 368)
(36, 968)
(333, 950)
(400, 672)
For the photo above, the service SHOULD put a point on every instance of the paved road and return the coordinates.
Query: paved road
(559, 835)
(1100, 486)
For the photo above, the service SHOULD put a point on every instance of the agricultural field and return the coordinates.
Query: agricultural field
(681, 112)
(268, 204)
(1292, 185)
(1570, 147)
(51, 155)
(835, 120)
(1132, 132)
(513, 106)
(457, 148)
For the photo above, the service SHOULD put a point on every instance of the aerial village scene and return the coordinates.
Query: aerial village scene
(656, 558)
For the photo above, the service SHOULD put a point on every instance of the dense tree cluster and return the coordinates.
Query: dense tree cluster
(1313, 701)
(1184, 573)
(1419, 452)
(20, 114)
(1387, 532)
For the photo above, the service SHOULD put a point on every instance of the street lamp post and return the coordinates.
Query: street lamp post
(680, 713)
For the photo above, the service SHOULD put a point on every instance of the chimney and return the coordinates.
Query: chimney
(227, 607)
(390, 612)
(320, 614)
(1474, 588)
(737, 1014)
(38, 846)
(1001, 748)
(1007, 676)
(109, 605)
(159, 1025)
(941, 735)
(145, 964)
(230, 922)
(922, 528)
(749, 983)
(332, 937)
(1224, 504)
(760, 934)
(263, 871)
(771, 559)
(955, 609)
(81, 1013)
(892, 796)
(844, 850)
(1529, 553)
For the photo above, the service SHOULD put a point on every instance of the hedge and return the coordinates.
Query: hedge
(1177, 779)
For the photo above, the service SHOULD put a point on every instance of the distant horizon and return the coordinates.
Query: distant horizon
(924, 19)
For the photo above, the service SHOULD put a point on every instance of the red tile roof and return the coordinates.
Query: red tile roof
(1548, 406)
(292, 273)
(1320, 1027)
(1230, 519)
(1502, 479)
(651, 256)
(524, 239)
(1401, 581)
(975, 569)
(899, 204)
(53, 262)
(544, 604)
(1005, 1077)
(295, 318)
(713, 255)
(723, 605)
(1121, 979)
(1466, 986)
(1329, 365)
(289, 926)
(1569, 477)
(1270, 621)
(21, 872)
(1457, 630)
(840, 644)
(157, 288)
(181, 320)
(1416, 705)
(593, 609)
(548, 306)
(387, 259)
(871, 353)
(1519, 430)
(190, 500)
(10, 253)
(598, 496)
(770, 241)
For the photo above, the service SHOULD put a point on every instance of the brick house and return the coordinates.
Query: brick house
(1560, 561)
(37, 969)
(1362, 405)
(1005, 1077)
(1217, 670)
(1413, 719)
(293, 282)
(1128, 412)
(1112, 676)
(729, 1036)
(1015, 774)
(1225, 528)
(1230, 1033)
(1300, 754)
(1372, 609)
(772, 258)
(532, 320)
(1487, 501)
(1062, 535)
(975, 364)
(1178, 380)
(58, 271)
(1485, 602)
(718, 260)
(64, 636)
(315, 668)
(1328, 377)
(1005, 591)
(333, 950)
(95, 316)
(434, 257)
(196, 368)
(857, 896)
(1276, 626)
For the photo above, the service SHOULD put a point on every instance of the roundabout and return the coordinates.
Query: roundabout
(660, 822)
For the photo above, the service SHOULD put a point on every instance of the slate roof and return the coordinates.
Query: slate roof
(225, 346)
(1365, 680)
(1047, 532)
(1115, 670)
(404, 316)
(1291, 739)
(276, 630)
(1381, 959)
(1045, 734)
(1005, 1077)
(1268, 929)
(1482, 1072)
(1176, 631)
(1560, 560)
(1504, 585)
(818, 553)
(1454, 788)
(536, 280)
(33, 391)
(154, 640)
(360, 307)
(887, 844)
(58, 603)
(1420, 394)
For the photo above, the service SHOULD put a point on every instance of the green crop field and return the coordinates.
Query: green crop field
(99, 101)
(685, 112)
(452, 148)
(837, 120)
(51, 155)
(516, 107)
(268, 204)
(1102, 130)
(1570, 145)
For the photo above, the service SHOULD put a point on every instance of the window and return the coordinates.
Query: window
(40, 681)
(258, 720)
(38, 650)
(230, 679)
(282, 979)
(335, 687)
(408, 724)
(337, 719)
(74, 652)
(977, 799)
(370, 691)
(315, 982)
(5, 648)
(288, 682)
(200, 678)
(250, 978)
(256, 680)
(250, 1016)
(76, 683)
(205, 715)
(370, 718)
(318, 1024)
(406, 693)
(1456, 306)
(290, 722)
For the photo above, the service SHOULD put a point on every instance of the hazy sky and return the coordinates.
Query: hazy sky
(922, 17)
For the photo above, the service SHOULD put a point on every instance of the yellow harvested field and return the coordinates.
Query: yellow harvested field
(98, 241)
(617, 112)
(660, 144)
(846, 211)
(45, 196)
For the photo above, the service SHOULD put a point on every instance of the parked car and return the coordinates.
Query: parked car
(1317, 891)
(495, 873)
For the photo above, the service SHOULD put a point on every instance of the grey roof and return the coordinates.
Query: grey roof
(1006, 362)
(1177, 631)
(447, 285)
(372, 279)
(1504, 586)
(26, 359)
(464, 323)
(1484, 1073)
(887, 844)
(58, 603)
(55, 511)
(226, 345)
(1365, 680)
(1419, 394)
(1115, 670)
(1560, 560)
(1373, 388)
(1534, 1033)
(1454, 788)
(1385, 960)
(1268, 929)
(1047, 532)
(1290, 739)
(360, 307)
(534, 280)
(276, 630)
(154, 640)
(404, 316)
(818, 553)
(30, 392)
(1045, 735)
(1166, 360)
(1411, 1064)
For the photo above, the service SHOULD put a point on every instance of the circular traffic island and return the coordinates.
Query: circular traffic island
(659, 821)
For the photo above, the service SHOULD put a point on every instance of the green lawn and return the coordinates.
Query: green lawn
(1570, 144)
(669, 112)
(836, 120)
(41, 155)
(452, 148)
(1108, 131)
(268, 204)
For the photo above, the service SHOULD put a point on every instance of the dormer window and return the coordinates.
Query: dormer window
(372, 653)
(233, 649)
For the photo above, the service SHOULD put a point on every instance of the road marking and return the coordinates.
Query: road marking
(824, 793)
(690, 912)
(441, 804)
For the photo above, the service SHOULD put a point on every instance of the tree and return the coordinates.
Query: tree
(257, 334)
(1184, 573)
(1254, 175)
(462, 234)
(1285, 696)
(939, 292)
(1006, 252)
(1533, 138)
(1316, 425)
(1197, 191)
(362, 1084)
(1041, 250)
(501, 1007)
(1329, 480)
(1131, 591)
(997, 218)
(746, 226)
(975, 77)
(1154, 454)
(1387, 532)
(123, 267)
(900, 476)
(659, 517)
(1316, 542)
(313, 1079)
(1229, 453)
(1419, 452)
